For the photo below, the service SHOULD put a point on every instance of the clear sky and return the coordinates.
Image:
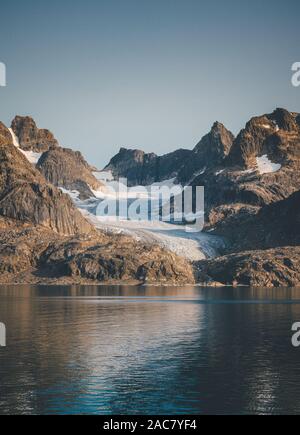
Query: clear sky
(152, 74)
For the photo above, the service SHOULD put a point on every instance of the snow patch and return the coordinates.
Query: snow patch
(220, 172)
(31, 156)
(74, 194)
(265, 165)
(103, 175)
(14, 138)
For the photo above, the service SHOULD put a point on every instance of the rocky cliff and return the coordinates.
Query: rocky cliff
(62, 167)
(253, 201)
(211, 151)
(26, 196)
(144, 169)
(262, 165)
(67, 168)
(30, 137)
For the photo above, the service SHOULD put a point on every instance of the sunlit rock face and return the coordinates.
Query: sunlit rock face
(262, 165)
(68, 169)
(275, 135)
(30, 137)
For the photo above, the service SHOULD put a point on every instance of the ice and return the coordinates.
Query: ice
(14, 138)
(31, 156)
(265, 165)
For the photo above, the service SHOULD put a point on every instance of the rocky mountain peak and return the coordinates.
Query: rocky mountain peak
(211, 151)
(66, 168)
(215, 145)
(30, 137)
(276, 135)
(285, 120)
(26, 196)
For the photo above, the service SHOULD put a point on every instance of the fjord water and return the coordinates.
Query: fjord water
(128, 350)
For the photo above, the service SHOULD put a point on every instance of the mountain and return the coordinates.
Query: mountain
(275, 135)
(30, 137)
(45, 239)
(62, 167)
(141, 168)
(254, 202)
(211, 151)
(68, 169)
(252, 197)
(25, 195)
(262, 166)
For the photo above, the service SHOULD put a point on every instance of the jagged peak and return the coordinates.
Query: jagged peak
(32, 138)
(284, 119)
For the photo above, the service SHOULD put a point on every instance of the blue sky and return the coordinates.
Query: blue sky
(148, 74)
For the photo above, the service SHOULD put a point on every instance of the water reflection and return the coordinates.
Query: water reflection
(85, 349)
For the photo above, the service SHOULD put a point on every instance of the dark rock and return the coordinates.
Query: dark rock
(271, 226)
(144, 169)
(209, 152)
(278, 267)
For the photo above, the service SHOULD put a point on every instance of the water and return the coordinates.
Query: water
(111, 350)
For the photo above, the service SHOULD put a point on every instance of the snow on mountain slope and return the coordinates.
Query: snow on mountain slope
(265, 166)
(191, 245)
(31, 156)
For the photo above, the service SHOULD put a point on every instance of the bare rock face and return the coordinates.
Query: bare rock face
(30, 137)
(26, 196)
(67, 168)
(278, 267)
(141, 168)
(263, 248)
(211, 151)
(275, 135)
(271, 226)
(144, 169)
(5, 136)
(256, 209)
